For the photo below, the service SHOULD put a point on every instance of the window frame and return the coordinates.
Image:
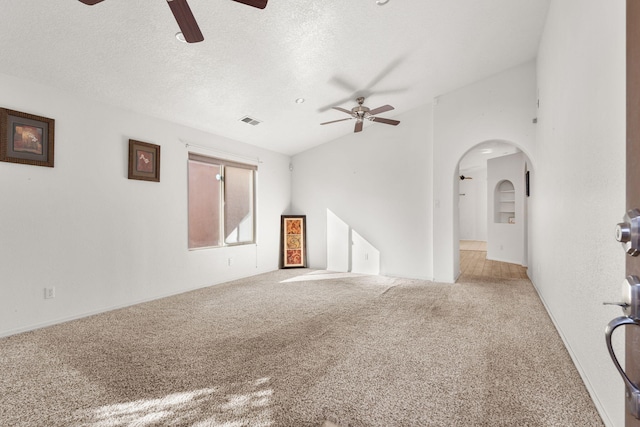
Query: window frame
(224, 163)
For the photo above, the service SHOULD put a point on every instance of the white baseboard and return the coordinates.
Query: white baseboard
(508, 261)
(585, 379)
(82, 315)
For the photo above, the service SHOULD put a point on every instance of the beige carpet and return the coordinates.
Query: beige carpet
(278, 351)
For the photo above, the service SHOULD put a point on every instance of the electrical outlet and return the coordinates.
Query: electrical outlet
(49, 292)
(230, 262)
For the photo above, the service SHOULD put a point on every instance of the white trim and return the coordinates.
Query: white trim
(507, 261)
(585, 379)
(224, 154)
(36, 326)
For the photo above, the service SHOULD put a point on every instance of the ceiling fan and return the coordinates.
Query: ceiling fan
(360, 113)
(186, 20)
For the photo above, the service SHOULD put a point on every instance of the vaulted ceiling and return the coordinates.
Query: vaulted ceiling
(258, 62)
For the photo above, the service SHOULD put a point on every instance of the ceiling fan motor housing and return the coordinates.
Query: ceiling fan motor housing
(360, 113)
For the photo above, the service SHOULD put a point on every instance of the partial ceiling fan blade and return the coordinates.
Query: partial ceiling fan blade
(260, 4)
(385, 72)
(335, 121)
(358, 126)
(385, 121)
(328, 107)
(344, 84)
(186, 20)
(90, 2)
(343, 110)
(379, 110)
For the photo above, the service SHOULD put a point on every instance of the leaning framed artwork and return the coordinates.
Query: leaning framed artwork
(26, 138)
(293, 241)
(144, 161)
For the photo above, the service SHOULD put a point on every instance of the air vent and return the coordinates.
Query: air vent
(250, 120)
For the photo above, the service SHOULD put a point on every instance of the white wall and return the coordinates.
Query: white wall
(501, 107)
(577, 192)
(365, 256)
(506, 241)
(101, 239)
(338, 244)
(473, 205)
(378, 182)
(395, 186)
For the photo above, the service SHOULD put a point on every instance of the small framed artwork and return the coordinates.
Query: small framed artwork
(26, 138)
(144, 161)
(293, 241)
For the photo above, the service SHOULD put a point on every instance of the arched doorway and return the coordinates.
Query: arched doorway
(491, 213)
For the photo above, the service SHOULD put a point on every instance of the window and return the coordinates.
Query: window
(221, 202)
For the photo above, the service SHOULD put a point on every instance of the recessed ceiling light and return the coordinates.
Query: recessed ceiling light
(299, 100)
(487, 151)
(180, 37)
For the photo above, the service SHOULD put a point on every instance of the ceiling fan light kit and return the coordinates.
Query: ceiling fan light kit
(360, 113)
(189, 30)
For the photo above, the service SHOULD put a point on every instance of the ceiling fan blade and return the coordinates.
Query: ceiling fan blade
(335, 121)
(379, 110)
(358, 127)
(343, 110)
(344, 84)
(385, 121)
(90, 2)
(260, 4)
(328, 107)
(186, 20)
(385, 72)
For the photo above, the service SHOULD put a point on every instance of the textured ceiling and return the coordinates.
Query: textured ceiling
(257, 62)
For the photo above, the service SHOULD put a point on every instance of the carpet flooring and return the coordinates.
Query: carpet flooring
(302, 348)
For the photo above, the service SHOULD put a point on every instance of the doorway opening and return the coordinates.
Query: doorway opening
(491, 228)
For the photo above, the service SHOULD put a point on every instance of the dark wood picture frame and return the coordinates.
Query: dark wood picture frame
(293, 241)
(26, 138)
(144, 161)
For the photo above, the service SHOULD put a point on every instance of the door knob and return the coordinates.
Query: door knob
(628, 232)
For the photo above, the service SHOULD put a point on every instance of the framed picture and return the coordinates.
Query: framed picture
(26, 138)
(293, 241)
(144, 161)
